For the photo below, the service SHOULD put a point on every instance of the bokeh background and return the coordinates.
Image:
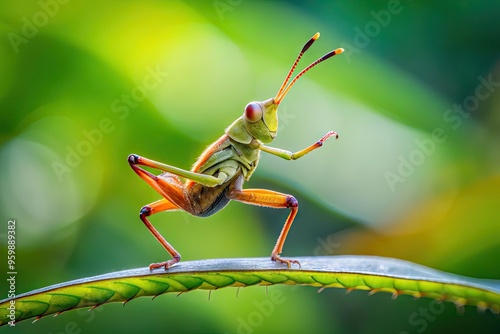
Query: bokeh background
(415, 173)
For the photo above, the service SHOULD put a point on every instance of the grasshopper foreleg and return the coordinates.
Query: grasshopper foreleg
(294, 156)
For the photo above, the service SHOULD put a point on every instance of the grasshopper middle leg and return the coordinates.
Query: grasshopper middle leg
(270, 199)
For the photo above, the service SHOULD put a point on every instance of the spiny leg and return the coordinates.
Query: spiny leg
(270, 199)
(150, 209)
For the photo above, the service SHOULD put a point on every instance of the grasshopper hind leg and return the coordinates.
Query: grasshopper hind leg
(148, 210)
(175, 198)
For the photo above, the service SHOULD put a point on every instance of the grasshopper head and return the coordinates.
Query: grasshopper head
(260, 119)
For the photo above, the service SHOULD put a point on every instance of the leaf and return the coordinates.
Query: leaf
(376, 274)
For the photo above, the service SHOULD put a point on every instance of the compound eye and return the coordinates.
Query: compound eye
(253, 112)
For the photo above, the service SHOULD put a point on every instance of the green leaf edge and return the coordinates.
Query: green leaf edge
(376, 274)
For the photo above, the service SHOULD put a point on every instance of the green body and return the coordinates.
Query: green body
(238, 151)
(233, 158)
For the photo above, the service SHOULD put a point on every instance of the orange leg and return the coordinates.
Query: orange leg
(171, 188)
(148, 210)
(168, 185)
(270, 199)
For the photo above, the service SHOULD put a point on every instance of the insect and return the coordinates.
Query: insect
(218, 175)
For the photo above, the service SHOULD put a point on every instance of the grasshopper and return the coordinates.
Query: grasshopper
(218, 175)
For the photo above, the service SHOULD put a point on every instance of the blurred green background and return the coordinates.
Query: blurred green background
(414, 174)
